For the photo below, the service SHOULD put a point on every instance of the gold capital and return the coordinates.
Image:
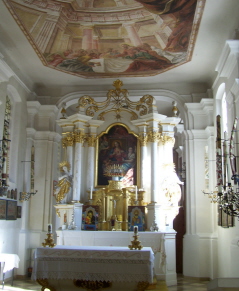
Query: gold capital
(154, 136)
(91, 139)
(79, 136)
(143, 138)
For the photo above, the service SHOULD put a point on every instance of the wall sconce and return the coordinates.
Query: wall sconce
(25, 196)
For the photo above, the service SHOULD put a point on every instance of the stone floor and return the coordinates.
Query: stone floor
(184, 283)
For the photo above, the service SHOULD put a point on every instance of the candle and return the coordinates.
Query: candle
(228, 167)
(136, 193)
(135, 229)
(49, 228)
(91, 192)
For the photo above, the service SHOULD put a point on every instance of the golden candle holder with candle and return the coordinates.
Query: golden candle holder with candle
(49, 241)
(136, 244)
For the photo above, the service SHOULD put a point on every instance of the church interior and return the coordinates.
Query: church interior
(118, 143)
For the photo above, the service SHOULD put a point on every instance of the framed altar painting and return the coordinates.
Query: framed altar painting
(3, 209)
(136, 217)
(11, 210)
(117, 154)
(90, 217)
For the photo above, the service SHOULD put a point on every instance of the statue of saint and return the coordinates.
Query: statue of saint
(64, 182)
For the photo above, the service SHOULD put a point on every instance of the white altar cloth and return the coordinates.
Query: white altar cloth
(155, 240)
(114, 264)
(10, 261)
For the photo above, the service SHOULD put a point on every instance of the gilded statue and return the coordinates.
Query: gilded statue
(64, 182)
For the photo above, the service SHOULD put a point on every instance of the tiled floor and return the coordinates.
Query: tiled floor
(188, 284)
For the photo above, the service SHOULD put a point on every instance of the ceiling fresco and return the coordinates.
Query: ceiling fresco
(109, 38)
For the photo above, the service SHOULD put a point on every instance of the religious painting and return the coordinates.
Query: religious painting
(136, 217)
(95, 41)
(90, 217)
(11, 210)
(3, 209)
(117, 157)
(19, 211)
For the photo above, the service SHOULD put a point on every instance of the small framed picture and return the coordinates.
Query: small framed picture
(90, 216)
(3, 209)
(19, 211)
(136, 218)
(11, 210)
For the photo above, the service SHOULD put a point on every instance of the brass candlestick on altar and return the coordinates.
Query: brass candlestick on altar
(49, 241)
(135, 242)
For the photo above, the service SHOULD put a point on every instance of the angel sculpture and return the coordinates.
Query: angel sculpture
(64, 182)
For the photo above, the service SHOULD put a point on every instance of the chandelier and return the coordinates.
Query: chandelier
(226, 193)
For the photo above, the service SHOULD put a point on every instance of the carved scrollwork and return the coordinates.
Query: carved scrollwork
(92, 285)
(141, 286)
(85, 100)
(45, 285)
(90, 111)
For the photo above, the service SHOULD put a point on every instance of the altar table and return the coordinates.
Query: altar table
(9, 262)
(61, 265)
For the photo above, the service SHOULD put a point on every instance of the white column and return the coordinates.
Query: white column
(79, 138)
(24, 233)
(154, 170)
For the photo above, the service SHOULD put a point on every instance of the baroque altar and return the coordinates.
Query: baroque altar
(117, 156)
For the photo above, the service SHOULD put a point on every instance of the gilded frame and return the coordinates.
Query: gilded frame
(117, 132)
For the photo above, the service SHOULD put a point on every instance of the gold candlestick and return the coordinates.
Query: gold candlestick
(49, 241)
(136, 244)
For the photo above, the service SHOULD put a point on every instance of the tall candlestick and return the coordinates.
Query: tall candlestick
(136, 193)
(229, 174)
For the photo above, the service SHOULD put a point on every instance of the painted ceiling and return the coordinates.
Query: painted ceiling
(107, 38)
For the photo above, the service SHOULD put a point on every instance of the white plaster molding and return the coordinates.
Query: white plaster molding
(46, 135)
(235, 90)
(228, 58)
(33, 106)
(47, 110)
(210, 131)
(6, 73)
(30, 132)
(200, 114)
